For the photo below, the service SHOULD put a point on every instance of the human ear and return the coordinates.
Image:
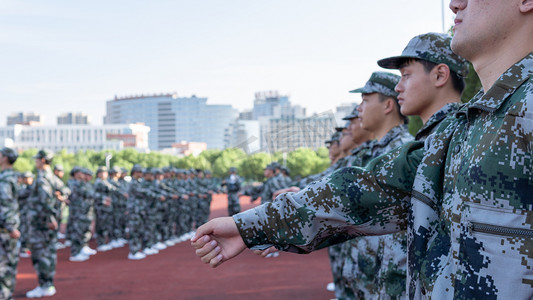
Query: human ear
(441, 74)
(389, 105)
(526, 6)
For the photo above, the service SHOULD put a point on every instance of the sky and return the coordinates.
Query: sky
(61, 56)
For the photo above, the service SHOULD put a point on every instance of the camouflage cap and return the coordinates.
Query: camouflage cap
(10, 154)
(87, 171)
(354, 114)
(44, 154)
(158, 171)
(270, 167)
(233, 169)
(59, 167)
(115, 170)
(276, 164)
(101, 169)
(207, 172)
(27, 174)
(136, 168)
(149, 171)
(380, 82)
(334, 137)
(342, 127)
(432, 47)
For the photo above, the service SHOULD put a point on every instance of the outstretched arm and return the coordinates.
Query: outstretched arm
(348, 203)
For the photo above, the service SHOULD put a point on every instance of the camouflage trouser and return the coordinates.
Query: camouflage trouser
(360, 267)
(44, 255)
(80, 233)
(135, 227)
(163, 219)
(335, 261)
(193, 203)
(103, 226)
(150, 227)
(183, 217)
(233, 204)
(9, 258)
(173, 224)
(202, 211)
(119, 222)
(23, 228)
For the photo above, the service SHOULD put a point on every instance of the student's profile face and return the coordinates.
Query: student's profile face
(414, 89)
(371, 111)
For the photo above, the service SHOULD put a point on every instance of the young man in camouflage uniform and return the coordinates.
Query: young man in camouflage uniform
(9, 223)
(119, 199)
(42, 230)
(233, 186)
(103, 207)
(23, 195)
(469, 217)
(362, 257)
(135, 214)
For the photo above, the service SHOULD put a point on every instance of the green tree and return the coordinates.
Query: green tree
(230, 157)
(302, 162)
(253, 165)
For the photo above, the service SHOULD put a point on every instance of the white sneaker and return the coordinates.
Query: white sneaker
(169, 243)
(123, 241)
(150, 251)
(88, 251)
(67, 243)
(39, 292)
(79, 257)
(330, 287)
(136, 256)
(115, 244)
(104, 248)
(60, 245)
(60, 235)
(160, 246)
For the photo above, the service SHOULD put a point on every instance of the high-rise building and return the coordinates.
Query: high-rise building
(244, 134)
(173, 119)
(265, 104)
(289, 134)
(76, 137)
(73, 118)
(23, 118)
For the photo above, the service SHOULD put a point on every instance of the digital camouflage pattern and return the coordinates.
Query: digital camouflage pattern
(471, 216)
(9, 221)
(41, 211)
(435, 120)
(104, 213)
(380, 82)
(432, 47)
(80, 215)
(376, 266)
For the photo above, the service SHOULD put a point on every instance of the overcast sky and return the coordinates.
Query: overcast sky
(58, 56)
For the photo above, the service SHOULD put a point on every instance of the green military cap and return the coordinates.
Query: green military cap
(27, 174)
(59, 167)
(10, 154)
(115, 170)
(354, 114)
(87, 171)
(380, 82)
(334, 137)
(44, 154)
(342, 127)
(101, 169)
(432, 47)
(136, 168)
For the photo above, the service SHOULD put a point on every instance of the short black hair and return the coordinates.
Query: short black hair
(398, 107)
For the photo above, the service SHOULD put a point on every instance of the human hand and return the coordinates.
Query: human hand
(52, 225)
(292, 189)
(218, 241)
(266, 252)
(15, 234)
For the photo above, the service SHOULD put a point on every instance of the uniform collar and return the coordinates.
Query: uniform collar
(505, 86)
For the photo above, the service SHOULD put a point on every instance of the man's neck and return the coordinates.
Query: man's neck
(491, 65)
(388, 125)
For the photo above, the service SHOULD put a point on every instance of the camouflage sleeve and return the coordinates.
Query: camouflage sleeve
(348, 203)
(8, 206)
(47, 199)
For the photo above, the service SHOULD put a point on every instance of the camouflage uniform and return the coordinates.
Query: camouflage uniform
(204, 203)
(80, 216)
(41, 239)
(119, 208)
(233, 185)
(104, 213)
(470, 215)
(136, 215)
(22, 199)
(9, 221)
(151, 208)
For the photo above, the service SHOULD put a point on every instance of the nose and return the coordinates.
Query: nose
(456, 5)
(398, 88)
